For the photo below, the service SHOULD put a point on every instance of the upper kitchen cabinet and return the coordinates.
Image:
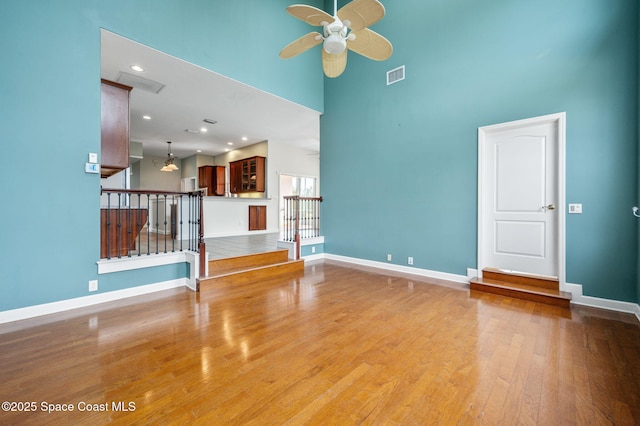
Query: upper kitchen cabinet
(212, 179)
(247, 175)
(115, 127)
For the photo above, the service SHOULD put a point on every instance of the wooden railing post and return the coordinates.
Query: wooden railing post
(201, 244)
(297, 227)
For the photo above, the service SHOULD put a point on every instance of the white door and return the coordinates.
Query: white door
(521, 196)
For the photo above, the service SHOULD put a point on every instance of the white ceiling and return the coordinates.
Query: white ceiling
(191, 94)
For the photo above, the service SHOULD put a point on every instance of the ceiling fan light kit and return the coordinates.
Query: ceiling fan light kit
(345, 30)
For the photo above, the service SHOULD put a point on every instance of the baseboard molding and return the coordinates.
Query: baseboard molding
(82, 302)
(397, 268)
(85, 301)
(314, 257)
(596, 302)
(575, 289)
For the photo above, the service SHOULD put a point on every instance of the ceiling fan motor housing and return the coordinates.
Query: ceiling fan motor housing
(334, 44)
(335, 37)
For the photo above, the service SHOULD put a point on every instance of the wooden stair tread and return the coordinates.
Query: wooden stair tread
(523, 287)
(234, 271)
(247, 261)
(540, 281)
(522, 291)
(240, 275)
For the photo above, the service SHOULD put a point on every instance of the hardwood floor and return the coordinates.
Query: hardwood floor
(338, 346)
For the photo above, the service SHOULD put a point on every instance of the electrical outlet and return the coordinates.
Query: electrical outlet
(313, 249)
(389, 257)
(93, 285)
(410, 260)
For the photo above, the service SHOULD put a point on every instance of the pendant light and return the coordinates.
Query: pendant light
(168, 164)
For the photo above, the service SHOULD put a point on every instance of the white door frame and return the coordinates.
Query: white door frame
(483, 132)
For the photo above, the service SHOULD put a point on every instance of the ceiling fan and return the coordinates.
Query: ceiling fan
(345, 30)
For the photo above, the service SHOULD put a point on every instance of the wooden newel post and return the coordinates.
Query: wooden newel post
(201, 245)
(297, 234)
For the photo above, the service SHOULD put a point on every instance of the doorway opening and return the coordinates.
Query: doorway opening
(521, 196)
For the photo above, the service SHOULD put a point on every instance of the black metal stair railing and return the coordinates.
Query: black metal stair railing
(139, 222)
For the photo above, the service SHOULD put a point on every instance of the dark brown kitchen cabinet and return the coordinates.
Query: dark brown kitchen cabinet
(257, 218)
(114, 146)
(212, 178)
(247, 175)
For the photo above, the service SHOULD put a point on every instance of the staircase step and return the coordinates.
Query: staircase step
(541, 281)
(521, 291)
(247, 261)
(249, 275)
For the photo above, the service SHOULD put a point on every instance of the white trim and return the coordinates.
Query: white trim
(148, 261)
(311, 241)
(291, 246)
(597, 302)
(472, 273)
(560, 118)
(239, 233)
(399, 268)
(314, 257)
(108, 266)
(81, 302)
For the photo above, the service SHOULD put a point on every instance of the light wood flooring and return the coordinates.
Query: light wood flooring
(338, 346)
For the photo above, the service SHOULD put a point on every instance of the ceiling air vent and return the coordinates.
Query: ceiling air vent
(395, 75)
(139, 82)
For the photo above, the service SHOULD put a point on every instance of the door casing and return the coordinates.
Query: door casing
(483, 134)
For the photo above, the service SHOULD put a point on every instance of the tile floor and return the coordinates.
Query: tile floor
(222, 247)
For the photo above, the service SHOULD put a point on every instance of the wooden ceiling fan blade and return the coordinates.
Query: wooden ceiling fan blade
(300, 45)
(361, 13)
(334, 64)
(371, 45)
(309, 14)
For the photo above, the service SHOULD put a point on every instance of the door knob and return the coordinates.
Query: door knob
(550, 207)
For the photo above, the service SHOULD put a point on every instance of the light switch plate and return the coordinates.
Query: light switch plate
(575, 208)
(93, 157)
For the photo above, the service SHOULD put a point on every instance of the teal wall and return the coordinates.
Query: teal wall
(308, 250)
(399, 162)
(50, 121)
(143, 276)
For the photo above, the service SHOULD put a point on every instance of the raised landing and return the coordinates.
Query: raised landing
(521, 286)
(249, 268)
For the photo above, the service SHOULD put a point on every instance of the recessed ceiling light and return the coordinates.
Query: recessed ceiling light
(244, 138)
(137, 68)
(229, 143)
(146, 117)
(227, 149)
(203, 129)
(198, 150)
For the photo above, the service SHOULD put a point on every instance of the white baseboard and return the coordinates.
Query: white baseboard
(574, 289)
(596, 302)
(398, 268)
(85, 301)
(81, 302)
(314, 257)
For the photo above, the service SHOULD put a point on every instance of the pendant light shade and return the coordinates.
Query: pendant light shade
(168, 164)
